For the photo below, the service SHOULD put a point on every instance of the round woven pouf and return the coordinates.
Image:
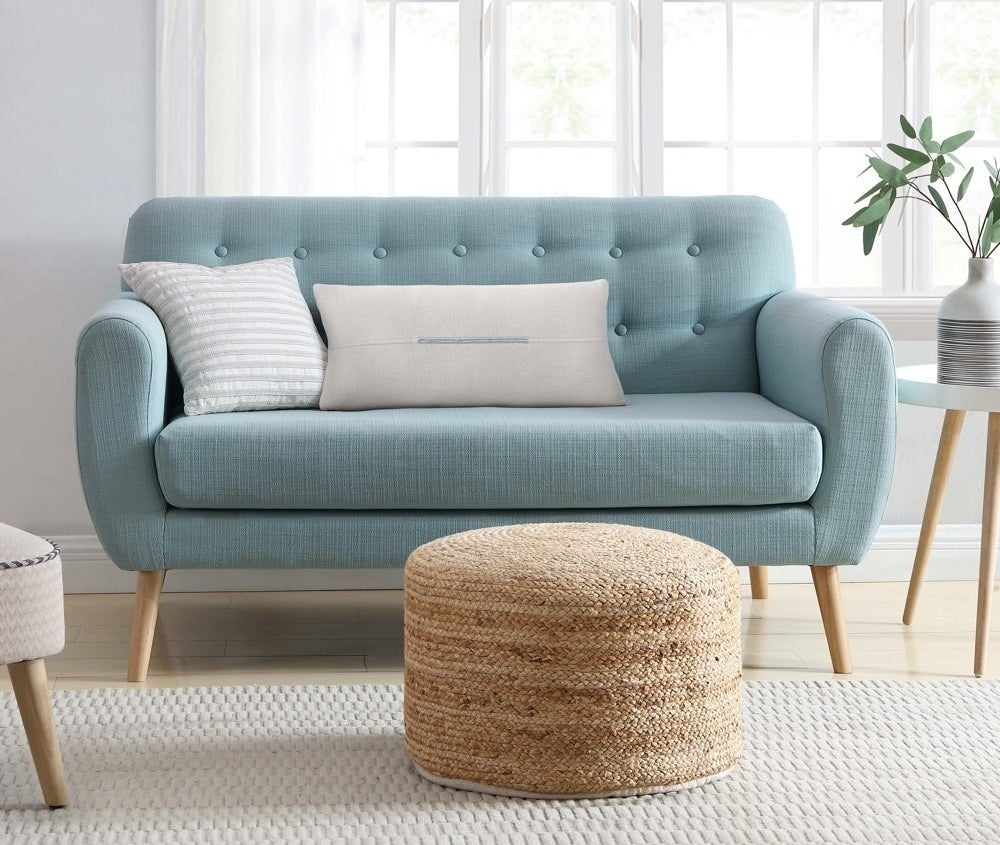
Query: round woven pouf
(571, 660)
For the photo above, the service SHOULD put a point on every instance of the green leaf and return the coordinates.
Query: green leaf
(991, 169)
(868, 237)
(984, 244)
(850, 220)
(870, 191)
(947, 169)
(963, 186)
(891, 174)
(949, 145)
(926, 131)
(908, 129)
(912, 166)
(938, 201)
(875, 212)
(914, 156)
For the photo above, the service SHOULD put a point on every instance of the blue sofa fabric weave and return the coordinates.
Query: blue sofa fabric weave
(659, 450)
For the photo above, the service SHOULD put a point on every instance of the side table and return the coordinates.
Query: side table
(919, 386)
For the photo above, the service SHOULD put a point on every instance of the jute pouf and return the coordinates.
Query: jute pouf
(571, 660)
(32, 628)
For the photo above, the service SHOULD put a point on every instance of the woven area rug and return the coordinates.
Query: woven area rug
(826, 761)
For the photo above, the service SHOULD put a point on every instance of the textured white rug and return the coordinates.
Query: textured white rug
(826, 761)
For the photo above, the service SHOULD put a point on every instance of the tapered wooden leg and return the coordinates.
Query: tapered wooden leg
(31, 689)
(758, 582)
(827, 583)
(988, 543)
(951, 428)
(147, 605)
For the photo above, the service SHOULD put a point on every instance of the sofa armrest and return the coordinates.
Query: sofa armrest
(121, 391)
(833, 365)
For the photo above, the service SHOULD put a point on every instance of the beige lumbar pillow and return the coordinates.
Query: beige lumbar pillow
(241, 336)
(418, 346)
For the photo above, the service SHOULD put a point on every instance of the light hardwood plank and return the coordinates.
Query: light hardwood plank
(783, 637)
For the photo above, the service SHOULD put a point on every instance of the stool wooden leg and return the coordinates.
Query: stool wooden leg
(31, 689)
(951, 428)
(758, 582)
(147, 605)
(827, 583)
(988, 543)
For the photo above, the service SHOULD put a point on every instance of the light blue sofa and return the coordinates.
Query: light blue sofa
(760, 419)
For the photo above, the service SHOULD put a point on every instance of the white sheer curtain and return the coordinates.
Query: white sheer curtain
(258, 96)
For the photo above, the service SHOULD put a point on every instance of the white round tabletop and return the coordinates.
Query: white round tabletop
(918, 385)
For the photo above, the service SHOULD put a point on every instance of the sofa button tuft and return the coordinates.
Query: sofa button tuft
(300, 252)
(379, 252)
(615, 252)
(538, 252)
(221, 251)
(694, 249)
(621, 330)
(698, 328)
(459, 250)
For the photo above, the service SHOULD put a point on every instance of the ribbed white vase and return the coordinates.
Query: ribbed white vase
(969, 330)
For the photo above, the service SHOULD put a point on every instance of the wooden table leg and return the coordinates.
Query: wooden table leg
(988, 544)
(31, 689)
(951, 428)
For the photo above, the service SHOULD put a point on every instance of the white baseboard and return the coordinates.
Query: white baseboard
(87, 568)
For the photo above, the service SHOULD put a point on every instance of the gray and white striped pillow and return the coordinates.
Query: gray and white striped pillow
(241, 336)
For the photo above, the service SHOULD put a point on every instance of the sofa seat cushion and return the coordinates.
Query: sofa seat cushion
(659, 450)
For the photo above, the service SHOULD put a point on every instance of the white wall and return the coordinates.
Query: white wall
(76, 157)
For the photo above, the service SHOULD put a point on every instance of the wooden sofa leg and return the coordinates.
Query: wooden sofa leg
(31, 690)
(827, 583)
(147, 604)
(758, 582)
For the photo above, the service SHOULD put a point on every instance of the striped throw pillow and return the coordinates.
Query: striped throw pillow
(241, 336)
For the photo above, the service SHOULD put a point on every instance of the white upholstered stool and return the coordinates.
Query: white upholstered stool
(32, 627)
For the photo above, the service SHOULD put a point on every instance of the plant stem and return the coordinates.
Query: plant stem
(968, 243)
(979, 238)
(958, 208)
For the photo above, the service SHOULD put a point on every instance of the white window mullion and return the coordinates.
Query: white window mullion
(814, 151)
(470, 96)
(895, 237)
(626, 165)
(647, 41)
(730, 104)
(916, 15)
(392, 98)
(495, 17)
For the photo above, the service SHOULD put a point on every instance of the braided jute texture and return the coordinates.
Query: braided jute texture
(571, 660)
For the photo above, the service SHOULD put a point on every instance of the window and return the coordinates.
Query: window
(411, 85)
(959, 83)
(780, 99)
(617, 97)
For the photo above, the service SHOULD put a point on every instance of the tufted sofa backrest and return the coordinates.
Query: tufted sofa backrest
(687, 276)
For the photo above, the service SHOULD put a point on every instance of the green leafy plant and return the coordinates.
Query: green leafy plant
(908, 180)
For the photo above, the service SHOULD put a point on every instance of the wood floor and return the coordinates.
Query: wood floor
(219, 639)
